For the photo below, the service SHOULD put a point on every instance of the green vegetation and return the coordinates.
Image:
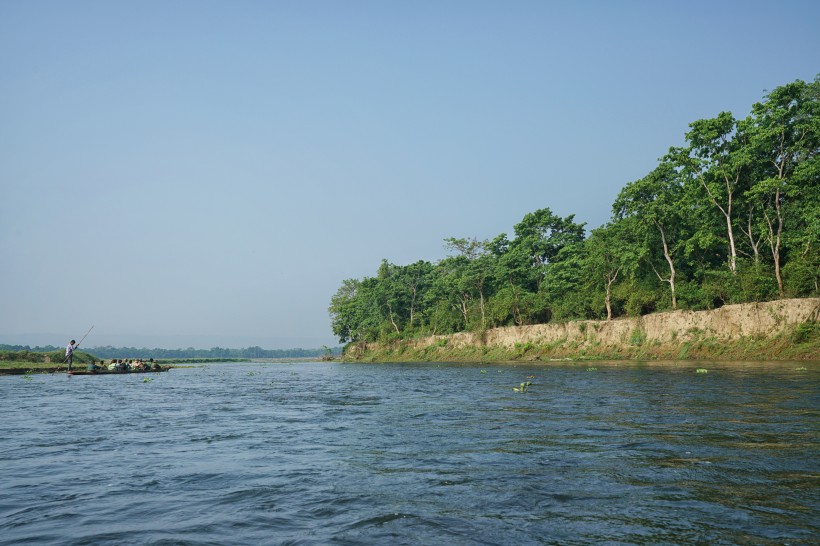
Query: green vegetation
(523, 387)
(41, 360)
(806, 332)
(733, 216)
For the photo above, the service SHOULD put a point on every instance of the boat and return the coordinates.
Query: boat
(102, 371)
(76, 371)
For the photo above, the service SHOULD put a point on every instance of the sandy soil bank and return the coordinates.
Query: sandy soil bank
(769, 330)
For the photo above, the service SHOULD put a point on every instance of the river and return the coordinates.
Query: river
(341, 453)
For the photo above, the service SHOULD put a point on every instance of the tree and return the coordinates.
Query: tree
(655, 203)
(611, 252)
(719, 160)
(414, 280)
(345, 312)
(448, 292)
(785, 131)
(510, 271)
(539, 237)
(477, 270)
(562, 293)
(389, 294)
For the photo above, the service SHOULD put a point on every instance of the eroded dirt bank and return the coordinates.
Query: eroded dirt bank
(784, 329)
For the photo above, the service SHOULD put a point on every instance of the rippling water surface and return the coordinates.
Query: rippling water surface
(330, 453)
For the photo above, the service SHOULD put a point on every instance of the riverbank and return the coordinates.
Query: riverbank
(776, 330)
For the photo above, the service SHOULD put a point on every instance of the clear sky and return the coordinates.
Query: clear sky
(201, 173)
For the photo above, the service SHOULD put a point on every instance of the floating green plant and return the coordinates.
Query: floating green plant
(702, 370)
(483, 371)
(592, 369)
(147, 379)
(523, 387)
(801, 369)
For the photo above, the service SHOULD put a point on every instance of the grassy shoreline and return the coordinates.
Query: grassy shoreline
(776, 330)
(784, 347)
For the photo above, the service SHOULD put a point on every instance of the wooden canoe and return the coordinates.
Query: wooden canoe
(115, 372)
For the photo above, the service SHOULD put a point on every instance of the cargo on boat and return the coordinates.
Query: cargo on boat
(120, 366)
(104, 371)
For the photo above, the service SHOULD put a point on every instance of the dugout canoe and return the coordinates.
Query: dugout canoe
(115, 372)
(76, 371)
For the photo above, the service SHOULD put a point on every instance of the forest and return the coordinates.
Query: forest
(732, 216)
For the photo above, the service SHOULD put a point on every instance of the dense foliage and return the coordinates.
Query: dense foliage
(732, 216)
(213, 353)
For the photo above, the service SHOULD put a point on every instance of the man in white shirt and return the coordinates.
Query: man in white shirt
(69, 352)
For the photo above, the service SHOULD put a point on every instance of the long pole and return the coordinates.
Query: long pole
(85, 336)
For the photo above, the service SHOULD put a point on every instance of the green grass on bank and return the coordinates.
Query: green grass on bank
(32, 360)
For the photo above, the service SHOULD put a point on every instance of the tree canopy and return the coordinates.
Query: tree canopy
(732, 216)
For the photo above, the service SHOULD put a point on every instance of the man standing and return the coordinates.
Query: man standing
(69, 352)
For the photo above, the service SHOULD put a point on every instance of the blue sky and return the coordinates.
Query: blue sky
(208, 172)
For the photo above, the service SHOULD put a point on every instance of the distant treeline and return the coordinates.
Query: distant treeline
(215, 352)
(732, 216)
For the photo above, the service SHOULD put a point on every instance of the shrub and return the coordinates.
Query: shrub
(801, 276)
(805, 332)
(641, 301)
(638, 337)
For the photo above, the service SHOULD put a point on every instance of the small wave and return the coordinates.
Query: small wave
(379, 520)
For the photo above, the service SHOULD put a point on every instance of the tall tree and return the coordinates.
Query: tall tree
(450, 289)
(785, 130)
(389, 294)
(539, 237)
(511, 271)
(611, 252)
(477, 272)
(413, 281)
(343, 312)
(719, 160)
(655, 203)
(562, 293)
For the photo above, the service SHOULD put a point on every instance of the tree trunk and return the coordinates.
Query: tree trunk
(732, 251)
(412, 306)
(755, 244)
(464, 299)
(776, 250)
(671, 279)
(608, 298)
(727, 214)
(393, 322)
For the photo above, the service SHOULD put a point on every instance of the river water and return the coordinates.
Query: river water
(339, 453)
